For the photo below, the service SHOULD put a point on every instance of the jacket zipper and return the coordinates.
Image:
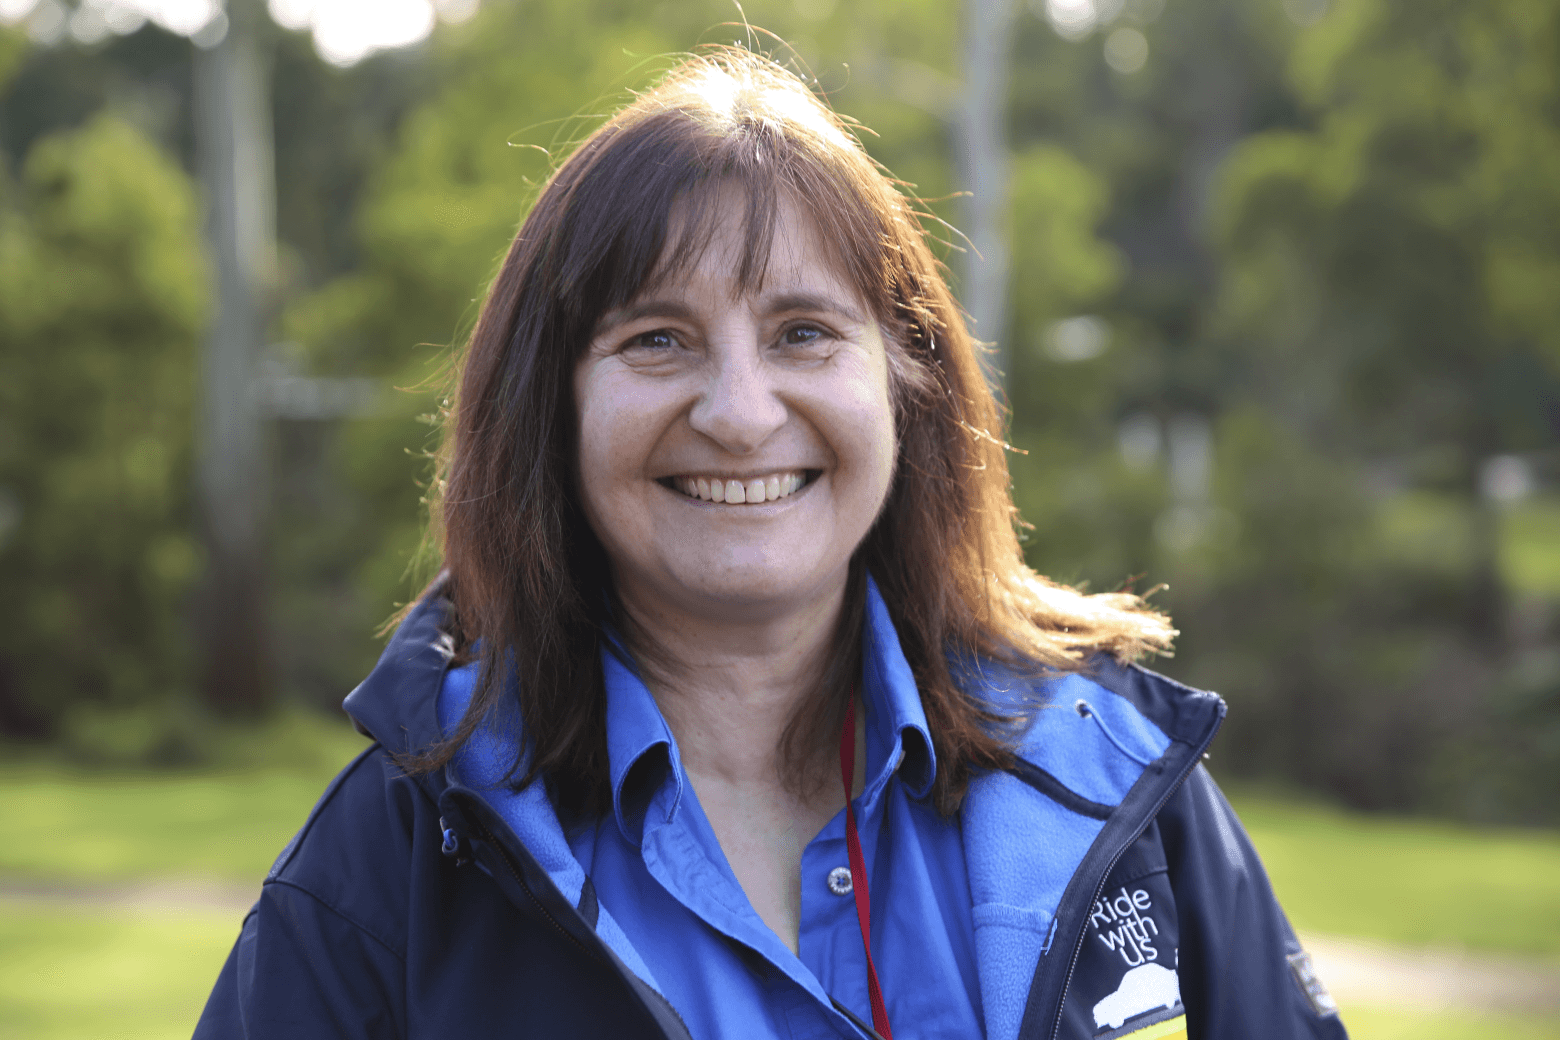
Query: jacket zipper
(1099, 886)
(487, 836)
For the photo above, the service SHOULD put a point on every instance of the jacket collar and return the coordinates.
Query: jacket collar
(395, 703)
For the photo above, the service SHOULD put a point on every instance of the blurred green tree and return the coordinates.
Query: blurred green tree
(1105, 343)
(1386, 308)
(1400, 258)
(102, 296)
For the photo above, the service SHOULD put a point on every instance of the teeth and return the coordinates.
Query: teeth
(735, 492)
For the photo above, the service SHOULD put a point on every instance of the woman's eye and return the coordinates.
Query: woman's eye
(657, 339)
(802, 335)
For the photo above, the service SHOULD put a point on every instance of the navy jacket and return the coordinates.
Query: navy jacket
(1115, 893)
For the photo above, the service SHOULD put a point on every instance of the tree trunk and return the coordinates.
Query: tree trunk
(982, 146)
(234, 150)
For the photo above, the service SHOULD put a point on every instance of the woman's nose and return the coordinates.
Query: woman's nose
(739, 406)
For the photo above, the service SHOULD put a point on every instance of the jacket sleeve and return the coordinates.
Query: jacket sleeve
(322, 953)
(1243, 973)
(300, 970)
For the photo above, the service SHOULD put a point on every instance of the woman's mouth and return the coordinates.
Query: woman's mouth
(740, 491)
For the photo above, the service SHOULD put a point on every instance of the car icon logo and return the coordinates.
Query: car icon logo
(1142, 989)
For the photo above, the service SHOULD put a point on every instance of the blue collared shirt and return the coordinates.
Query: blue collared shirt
(658, 869)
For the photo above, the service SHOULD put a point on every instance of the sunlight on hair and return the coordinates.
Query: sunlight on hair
(804, 111)
(733, 96)
(718, 88)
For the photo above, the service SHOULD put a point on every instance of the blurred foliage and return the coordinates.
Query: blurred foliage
(1337, 237)
(1279, 298)
(1377, 304)
(102, 298)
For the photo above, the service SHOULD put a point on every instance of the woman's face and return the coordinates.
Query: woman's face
(735, 447)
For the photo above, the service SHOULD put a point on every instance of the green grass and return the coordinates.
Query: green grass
(101, 829)
(1405, 881)
(77, 827)
(1366, 1022)
(72, 971)
(68, 974)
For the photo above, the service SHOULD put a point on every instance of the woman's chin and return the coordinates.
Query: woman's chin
(752, 590)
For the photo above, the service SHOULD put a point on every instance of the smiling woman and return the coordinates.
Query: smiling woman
(736, 711)
(702, 383)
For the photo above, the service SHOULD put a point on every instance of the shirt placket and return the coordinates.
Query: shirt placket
(830, 935)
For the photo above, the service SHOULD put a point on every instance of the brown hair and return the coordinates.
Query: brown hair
(529, 580)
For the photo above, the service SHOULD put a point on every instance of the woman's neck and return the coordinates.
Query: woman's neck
(729, 686)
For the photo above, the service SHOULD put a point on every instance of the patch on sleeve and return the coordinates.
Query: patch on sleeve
(1311, 985)
(1125, 982)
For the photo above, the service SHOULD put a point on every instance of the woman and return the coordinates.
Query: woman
(727, 531)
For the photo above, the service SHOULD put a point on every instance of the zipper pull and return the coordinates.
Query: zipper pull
(455, 844)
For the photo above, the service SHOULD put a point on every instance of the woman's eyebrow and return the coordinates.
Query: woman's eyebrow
(786, 303)
(646, 308)
(783, 303)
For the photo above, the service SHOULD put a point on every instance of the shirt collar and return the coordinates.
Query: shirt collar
(897, 734)
(646, 768)
(636, 730)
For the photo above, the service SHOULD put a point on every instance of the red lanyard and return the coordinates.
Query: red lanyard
(858, 869)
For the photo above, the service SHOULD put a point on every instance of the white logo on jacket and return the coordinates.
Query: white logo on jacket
(1142, 989)
(1119, 923)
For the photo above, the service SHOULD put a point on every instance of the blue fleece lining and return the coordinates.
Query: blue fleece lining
(1074, 749)
(1016, 886)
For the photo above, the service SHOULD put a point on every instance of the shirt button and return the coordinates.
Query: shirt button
(839, 881)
